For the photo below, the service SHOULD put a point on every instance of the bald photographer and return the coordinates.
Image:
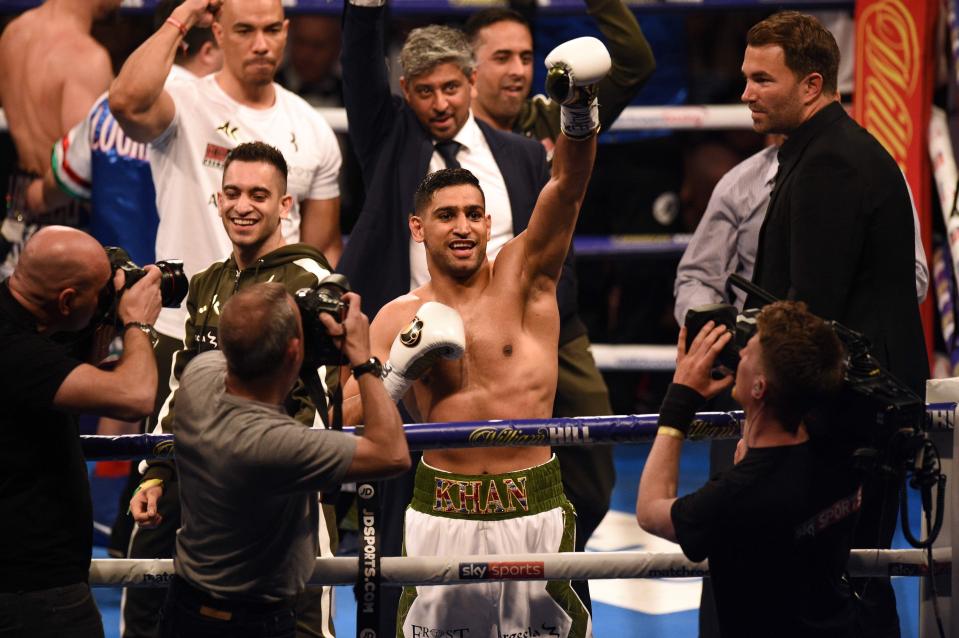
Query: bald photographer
(788, 505)
(61, 283)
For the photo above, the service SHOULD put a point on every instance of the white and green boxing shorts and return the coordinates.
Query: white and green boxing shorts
(514, 513)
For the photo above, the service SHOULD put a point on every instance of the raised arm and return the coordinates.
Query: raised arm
(370, 107)
(553, 221)
(631, 55)
(574, 69)
(137, 99)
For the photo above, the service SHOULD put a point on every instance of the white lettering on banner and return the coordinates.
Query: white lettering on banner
(108, 136)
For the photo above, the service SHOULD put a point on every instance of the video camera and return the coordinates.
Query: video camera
(173, 283)
(326, 297)
(741, 325)
(876, 418)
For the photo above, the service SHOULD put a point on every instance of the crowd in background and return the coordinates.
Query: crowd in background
(644, 182)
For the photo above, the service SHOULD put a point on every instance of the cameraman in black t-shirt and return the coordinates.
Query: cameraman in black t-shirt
(46, 535)
(776, 527)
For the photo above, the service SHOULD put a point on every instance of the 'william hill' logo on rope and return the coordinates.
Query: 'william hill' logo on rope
(481, 497)
(497, 435)
(889, 52)
(507, 436)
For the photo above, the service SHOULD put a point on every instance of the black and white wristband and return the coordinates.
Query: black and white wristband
(678, 410)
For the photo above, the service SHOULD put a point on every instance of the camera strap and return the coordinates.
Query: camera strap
(337, 422)
(311, 380)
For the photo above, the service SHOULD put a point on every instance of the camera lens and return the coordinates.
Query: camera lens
(173, 282)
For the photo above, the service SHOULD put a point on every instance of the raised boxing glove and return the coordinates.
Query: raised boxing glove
(436, 331)
(574, 69)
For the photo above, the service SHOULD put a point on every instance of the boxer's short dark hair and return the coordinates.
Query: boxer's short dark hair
(438, 180)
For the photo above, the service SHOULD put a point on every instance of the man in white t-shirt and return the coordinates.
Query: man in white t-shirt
(192, 126)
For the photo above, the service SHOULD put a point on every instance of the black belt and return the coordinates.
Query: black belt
(206, 604)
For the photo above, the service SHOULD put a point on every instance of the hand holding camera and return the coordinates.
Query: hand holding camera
(141, 302)
(352, 335)
(695, 363)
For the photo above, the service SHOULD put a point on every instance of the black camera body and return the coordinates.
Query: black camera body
(173, 282)
(326, 297)
(741, 325)
(873, 413)
(876, 421)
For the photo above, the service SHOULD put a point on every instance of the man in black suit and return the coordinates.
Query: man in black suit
(398, 141)
(838, 234)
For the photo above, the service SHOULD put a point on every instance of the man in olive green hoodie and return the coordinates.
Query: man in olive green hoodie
(252, 201)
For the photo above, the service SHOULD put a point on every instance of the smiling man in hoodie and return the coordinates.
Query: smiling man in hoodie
(253, 199)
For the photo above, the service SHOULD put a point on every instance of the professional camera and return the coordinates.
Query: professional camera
(326, 297)
(741, 325)
(876, 419)
(173, 282)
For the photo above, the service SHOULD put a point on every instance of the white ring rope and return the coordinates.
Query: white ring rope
(638, 118)
(633, 118)
(451, 570)
(634, 357)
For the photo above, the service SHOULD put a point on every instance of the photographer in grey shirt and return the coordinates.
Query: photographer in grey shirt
(249, 473)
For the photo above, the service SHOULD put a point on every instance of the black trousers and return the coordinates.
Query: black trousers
(189, 612)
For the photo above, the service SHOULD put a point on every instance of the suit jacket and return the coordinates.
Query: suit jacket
(394, 152)
(839, 235)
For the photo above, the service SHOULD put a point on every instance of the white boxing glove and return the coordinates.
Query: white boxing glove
(436, 331)
(574, 69)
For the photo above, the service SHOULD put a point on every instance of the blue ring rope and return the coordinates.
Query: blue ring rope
(583, 430)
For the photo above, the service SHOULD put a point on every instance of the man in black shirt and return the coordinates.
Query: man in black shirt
(839, 235)
(776, 527)
(47, 532)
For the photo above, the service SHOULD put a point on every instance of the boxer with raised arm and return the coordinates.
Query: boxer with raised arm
(479, 501)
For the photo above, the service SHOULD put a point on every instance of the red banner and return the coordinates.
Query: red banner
(893, 96)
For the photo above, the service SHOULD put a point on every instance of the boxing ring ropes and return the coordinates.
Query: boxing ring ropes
(398, 571)
(448, 570)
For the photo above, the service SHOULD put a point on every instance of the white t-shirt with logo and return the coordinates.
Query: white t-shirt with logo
(187, 164)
